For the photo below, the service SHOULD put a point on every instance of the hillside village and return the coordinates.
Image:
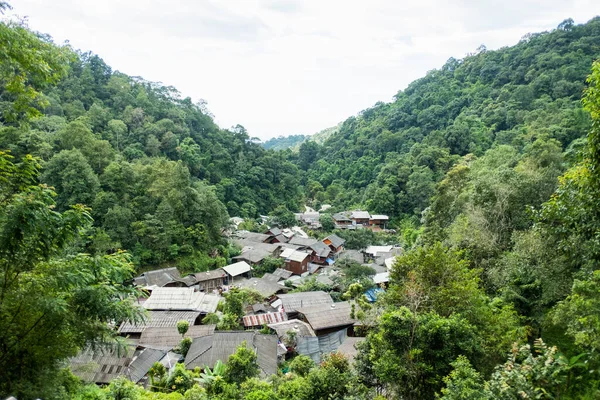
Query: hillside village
(289, 315)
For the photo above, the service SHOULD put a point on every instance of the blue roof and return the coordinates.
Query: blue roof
(372, 294)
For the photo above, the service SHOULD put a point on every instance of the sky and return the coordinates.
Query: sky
(282, 67)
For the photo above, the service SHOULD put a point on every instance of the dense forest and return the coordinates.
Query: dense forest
(490, 165)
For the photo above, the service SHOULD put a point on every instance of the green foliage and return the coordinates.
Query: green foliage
(184, 346)
(180, 379)
(63, 302)
(463, 383)
(282, 217)
(269, 265)
(301, 365)
(182, 327)
(241, 365)
(29, 63)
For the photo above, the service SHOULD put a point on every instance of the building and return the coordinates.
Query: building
(321, 253)
(295, 261)
(206, 351)
(291, 302)
(210, 280)
(327, 318)
(237, 270)
(379, 221)
(266, 287)
(335, 243)
(360, 218)
(302, 242)
(159, 319)
(166, 277)
(342, 221)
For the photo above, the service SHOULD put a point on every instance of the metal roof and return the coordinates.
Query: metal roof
(389, 262)
(293, 301)
(374, 250)
(159, 277)
(321, 249)
(328, 316)
(167, 338)
(101, 365)
(253, 255)
(142, 363)
(300, 327)
(205, 351)
(282, 273)
(160, 319)
(300, 241)
(183, 299)
(237, 268)
(209, 275)
(267, 318)
(335, 240)
(296, 255)
(265, 287)
(380, 217)
(381, 277)
(359, 214)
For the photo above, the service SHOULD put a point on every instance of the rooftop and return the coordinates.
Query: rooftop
(237, 268)
(167, 338)
(328, 316)
(183, 299)
(360, 214)
(209, 275)
(160, 319)
(375, 250)
(205, 351)
(321, 249)
(267, 318)
(335, 240)
(293, 301)
(265, 287)
(301, 241)
(300, 327)
(380, 217)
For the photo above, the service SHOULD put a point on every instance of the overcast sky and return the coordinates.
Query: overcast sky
(289, 67)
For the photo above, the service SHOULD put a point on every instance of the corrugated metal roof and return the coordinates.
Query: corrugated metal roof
(292, 301)
(374, 250)
(142, 363)
(159, 277)
(209, 275)
(160, 319)
(184, 299)
(300, 241)
(267, 318)
(324, 316)
(380, 217)
(360, 214)
(205, 351)
(167, 338)
(102, 365)
(265, 287)
(298, 256)
(381, 277)
(321, 249)
(335, 240)
(283, 273)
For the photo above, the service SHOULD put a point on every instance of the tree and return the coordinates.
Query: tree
(283, 217)
(182, 327)
(463, 383)
(63, 302)
(301, 365)
(29, 63)
(327, 222)
(241, 365)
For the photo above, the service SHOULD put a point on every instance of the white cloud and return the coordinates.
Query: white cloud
(285, 67)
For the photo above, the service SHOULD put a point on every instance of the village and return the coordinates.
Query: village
(297, 309)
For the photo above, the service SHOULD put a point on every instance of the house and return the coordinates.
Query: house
(253, 237)
(295, 261)
(327, 318)
(300, 328)
(207, 350)
(159, 319)
(311, 219)
(283, 274)
(335, 243)
(321, 253)
(341, 220)
(102, 365)
(258, 320)
(379, 221)
(360, 218)
(267, 288)
(290, 302)
(210, 280)
(166, 277)
(237, 270)
(381, 278)
(389, 262)
(181, 299)
(167, 338)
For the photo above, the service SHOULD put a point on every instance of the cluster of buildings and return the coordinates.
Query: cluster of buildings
(308, 323)
(356, 219)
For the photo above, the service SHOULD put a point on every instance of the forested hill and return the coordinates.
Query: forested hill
(390, 157)
(158, 173)
(284, 142)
